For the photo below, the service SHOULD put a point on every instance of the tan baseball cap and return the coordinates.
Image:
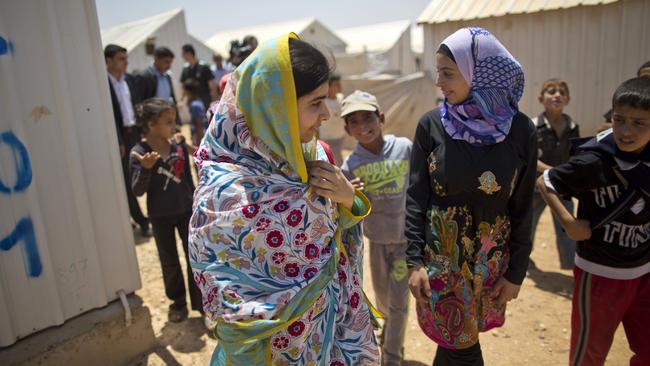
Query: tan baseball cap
(359, 101)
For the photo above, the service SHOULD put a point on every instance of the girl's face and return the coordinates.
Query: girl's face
(165, 125)
(312, 111)
(450, 80)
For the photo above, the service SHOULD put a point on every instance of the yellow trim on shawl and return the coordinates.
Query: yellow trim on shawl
(266, 96)
(291, 100)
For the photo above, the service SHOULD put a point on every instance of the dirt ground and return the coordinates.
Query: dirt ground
(536, 332)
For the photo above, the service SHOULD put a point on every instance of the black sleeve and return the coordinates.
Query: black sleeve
(418, 194)
(184, 75)
(133, 90)
(118, 130)
(116, 113)
(140, 177)
(582, 173)
(143, 87)
(520, 207)
(187, 165)
(208, 73)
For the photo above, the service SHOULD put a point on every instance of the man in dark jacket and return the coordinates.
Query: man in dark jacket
(123, 94)
(155, 80)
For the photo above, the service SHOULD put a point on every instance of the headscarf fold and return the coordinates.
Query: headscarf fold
(496, 82)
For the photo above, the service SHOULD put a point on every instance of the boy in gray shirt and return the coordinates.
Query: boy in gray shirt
(380, 165)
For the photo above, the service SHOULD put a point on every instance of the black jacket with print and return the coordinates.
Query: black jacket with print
(479, 187)
(168, 183)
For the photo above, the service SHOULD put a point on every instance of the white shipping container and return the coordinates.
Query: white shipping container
(66, 245)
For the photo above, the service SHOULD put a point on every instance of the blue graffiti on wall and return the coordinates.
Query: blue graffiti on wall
(24, 231)
(6, 46)
(21, 160)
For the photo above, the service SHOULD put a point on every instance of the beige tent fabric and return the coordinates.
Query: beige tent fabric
(403, 100)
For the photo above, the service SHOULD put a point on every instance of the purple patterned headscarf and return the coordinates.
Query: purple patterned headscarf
(496, 83)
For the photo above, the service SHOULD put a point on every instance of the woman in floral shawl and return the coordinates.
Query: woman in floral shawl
(278, 272)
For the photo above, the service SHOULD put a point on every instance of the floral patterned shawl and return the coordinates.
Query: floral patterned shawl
(277, 271)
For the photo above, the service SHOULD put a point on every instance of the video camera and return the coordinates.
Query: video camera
(239, 51)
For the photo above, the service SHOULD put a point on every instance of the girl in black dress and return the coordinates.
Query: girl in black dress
(468, 210)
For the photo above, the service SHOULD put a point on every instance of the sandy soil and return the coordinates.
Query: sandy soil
(536, 332)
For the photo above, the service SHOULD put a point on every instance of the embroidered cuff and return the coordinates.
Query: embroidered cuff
(360, 209)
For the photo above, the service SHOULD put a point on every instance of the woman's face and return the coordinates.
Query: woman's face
(450, 80)
(312, 110)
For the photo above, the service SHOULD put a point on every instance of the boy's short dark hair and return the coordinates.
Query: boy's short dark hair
(163, 52)
(555, 81)
(334, 77)
(633, 93)
(112, 49)
(191, 86)
(646, 65)
(188, 48)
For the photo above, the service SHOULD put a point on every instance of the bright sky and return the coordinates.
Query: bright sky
(204, 18)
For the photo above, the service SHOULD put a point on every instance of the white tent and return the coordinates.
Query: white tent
(592, 44)
(309, 29)
(166, 29)
(387, 48)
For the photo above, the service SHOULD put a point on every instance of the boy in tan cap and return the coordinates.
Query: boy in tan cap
(381, 164)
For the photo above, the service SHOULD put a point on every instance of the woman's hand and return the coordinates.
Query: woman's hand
(328, 181)
(419, 284)
(505, 291)
(147, 160)
(578, 229)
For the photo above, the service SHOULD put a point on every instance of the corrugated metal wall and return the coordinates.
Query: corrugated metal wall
(593, 48)
(66, 245)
